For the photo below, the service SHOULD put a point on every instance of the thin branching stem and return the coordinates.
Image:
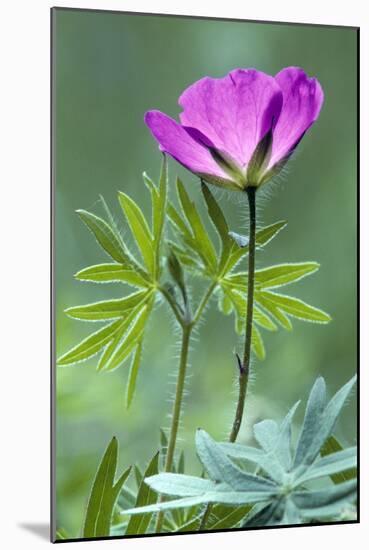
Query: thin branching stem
(245, 365)
(204, 302)
(171, 301)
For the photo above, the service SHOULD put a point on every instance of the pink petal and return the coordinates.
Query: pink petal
(178, 143)
(233, 113)
(302, 101)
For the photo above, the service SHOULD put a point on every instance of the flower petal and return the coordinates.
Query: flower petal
(233, 113)
(179, 144)
(302, 101)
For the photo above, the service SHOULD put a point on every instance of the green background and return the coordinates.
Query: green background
(110, 69)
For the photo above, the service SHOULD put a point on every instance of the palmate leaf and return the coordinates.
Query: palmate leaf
(104, 493)
(199, 255)
(284, 496)
(123, 336)
(90, 345)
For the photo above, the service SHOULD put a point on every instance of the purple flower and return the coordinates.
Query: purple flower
(240, 130)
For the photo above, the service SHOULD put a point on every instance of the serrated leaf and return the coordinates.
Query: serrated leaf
(131, 339)
(90, 345)
(107, 309)
(283, 274)
(112, 346)
(132, 376)
(138, 524)
(295, 307)
(224, 303)
(275, 311)
(110, 273)
(104, 494)
(158, 201)
(332, 445)
(263, 320)
(139, 228)
(104, 235)
(219, 222)
(204, 246)
(267, 233)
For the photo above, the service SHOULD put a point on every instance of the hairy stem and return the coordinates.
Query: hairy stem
(177, 409)
(204, 302)
(171, 301)
(245, 366)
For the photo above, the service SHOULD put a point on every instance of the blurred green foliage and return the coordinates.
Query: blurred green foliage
(111, 68)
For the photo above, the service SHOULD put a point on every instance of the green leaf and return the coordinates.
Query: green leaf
(138, 524)
(90, 345)
(110, 273)
(112, 346)
(257, 343)
(224, 517)
(275, 311)
(181, 463)
(333, 447)
(279, 275)
(132, 377)
(108, 309)
(138, 475)
(219, 222)
(131, 339)
(176, 272)
(263, 237)
(111, 220)
(139, 228)
(158, 201)
(263, 320)
(104, 494)
(295, 307)
(204, 246)
(104, 235)
(266, 234)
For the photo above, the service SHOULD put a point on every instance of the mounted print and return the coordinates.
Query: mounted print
(204, 191)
